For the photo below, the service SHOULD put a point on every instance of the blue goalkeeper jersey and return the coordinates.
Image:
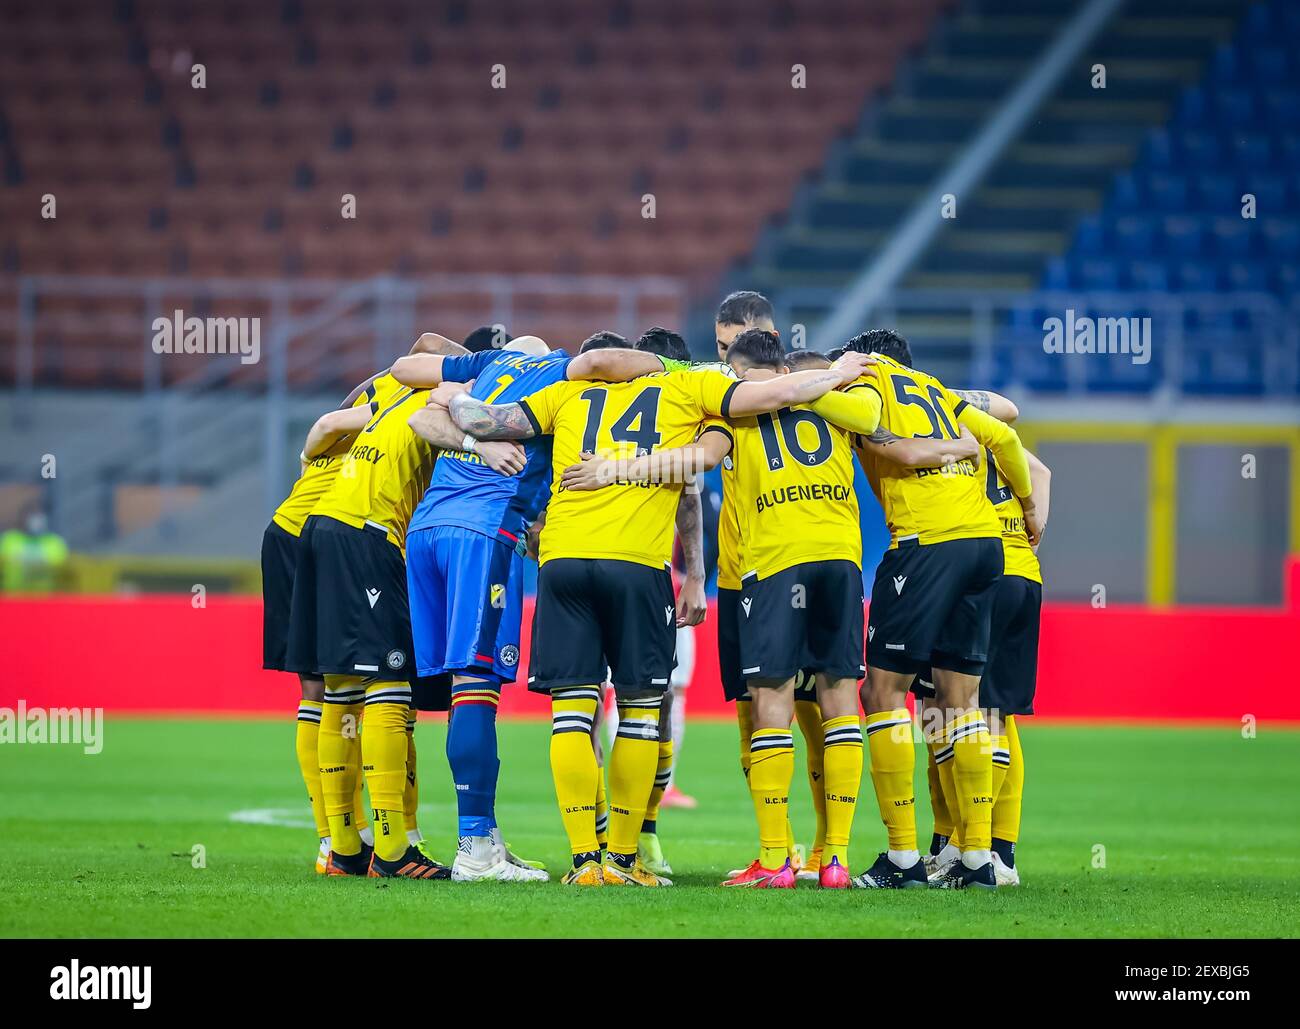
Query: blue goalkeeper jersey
(464, 491)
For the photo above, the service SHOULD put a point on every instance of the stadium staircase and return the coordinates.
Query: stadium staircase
(1023, 213)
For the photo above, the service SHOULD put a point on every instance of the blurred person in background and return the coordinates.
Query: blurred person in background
(32, 557)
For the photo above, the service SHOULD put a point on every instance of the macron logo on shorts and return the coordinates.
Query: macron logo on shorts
(745, 604)
(899, 580)
(372, 595)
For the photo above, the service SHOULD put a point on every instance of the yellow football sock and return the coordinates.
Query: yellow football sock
(308, 736)
(632, 765)
(602, 810)
(843, 756)
(893, 762)
(809, 715)
(383, 756)
(340, 759)
(411, 792)
(771, 767)
(573, 764)
(950, 797)
(360, 810)
(663, 774)
(1006, 808)
(943, 824)
(745, 720)
(972, 773)
(1001, 762)
(390, 834)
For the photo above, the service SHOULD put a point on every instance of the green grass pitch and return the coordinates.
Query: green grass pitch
(1200, 830)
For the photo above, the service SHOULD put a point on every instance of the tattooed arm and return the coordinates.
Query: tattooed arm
(923, 452)
(691, 604)
(433, 424)
(491, 421)
(990, 403)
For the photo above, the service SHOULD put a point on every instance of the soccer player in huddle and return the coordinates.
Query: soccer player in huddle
(605, 596)
(931, 607)
(349, 621)
(1007, 687)
(692, 606)
(465, 554)
(322, 456)
(801, 598)
(739, 312)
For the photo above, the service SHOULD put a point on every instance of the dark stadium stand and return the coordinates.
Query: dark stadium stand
(303, 103)
(1173, 222)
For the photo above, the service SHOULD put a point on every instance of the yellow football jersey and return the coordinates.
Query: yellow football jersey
(1018, 555)
(794, 491)
(627, 521)
(318, 475)
(930, 505)
(382, 478)
(728, 525)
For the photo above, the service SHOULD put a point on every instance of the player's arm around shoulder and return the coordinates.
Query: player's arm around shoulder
(1041, 478)
(612, 364)
(674, 464)
(923, 452)
(749, 397)
(433, 424)
(986, 400)
(331, 429)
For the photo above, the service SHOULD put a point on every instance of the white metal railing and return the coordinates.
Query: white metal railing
(306, 325)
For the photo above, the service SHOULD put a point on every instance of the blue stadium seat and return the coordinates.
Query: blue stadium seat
(1235, 107)
(1282, 238)
(1197, 277)
(1167, 192)
(1097, 274)
(1152, 276)
(1248, 276)
(1136, 234)
(1158, 150)
(1252, 151)
(1217, 191)
(1089, 238)
(1269, 65)
(1057, 274)
(1201, 149)
(1182, 236)
(1232, 237)
(1125, 195)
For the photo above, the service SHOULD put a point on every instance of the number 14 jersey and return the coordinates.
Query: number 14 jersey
(625, 521)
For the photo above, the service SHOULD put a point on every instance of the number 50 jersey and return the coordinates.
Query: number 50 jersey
(930, 505)
(625, 521)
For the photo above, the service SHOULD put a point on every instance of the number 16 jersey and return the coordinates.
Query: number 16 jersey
(794, 495)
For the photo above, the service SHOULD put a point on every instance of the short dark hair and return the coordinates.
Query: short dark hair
(834, 355)
(485, 338)
(664, 342)
(885, 342)
(758, 348)
(797, 360)
(602, 340)
(745, 307)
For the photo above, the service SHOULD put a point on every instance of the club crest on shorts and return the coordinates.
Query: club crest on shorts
(510, 655)
(396, 659)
